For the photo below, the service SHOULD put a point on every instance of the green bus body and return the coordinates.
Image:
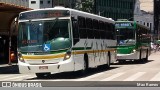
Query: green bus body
(133, 41)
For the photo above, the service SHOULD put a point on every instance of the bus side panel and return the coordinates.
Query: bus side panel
(113, 51)
(79, 54)
(78, 59)
(96, 53)
(91, 55)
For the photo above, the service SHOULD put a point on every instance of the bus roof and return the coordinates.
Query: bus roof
(76, 12)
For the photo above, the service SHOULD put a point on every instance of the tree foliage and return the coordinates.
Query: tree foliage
(87, 6)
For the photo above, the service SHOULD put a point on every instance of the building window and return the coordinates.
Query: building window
(41, 2)
(49, 2)
(147, 24)
(140, 22)
(33, 2)
(150, 26)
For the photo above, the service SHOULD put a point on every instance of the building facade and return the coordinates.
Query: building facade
(145, 16)
(36, 4)
(65, 3)
(9, 10)
(76, 4)
(116, 9)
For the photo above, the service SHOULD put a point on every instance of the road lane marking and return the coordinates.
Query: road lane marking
(6, 76)
(156, 77)
(15, 78)
(90, 77)
(113, 77)
(135, 76)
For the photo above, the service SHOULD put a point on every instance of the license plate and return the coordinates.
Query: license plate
(43, 67)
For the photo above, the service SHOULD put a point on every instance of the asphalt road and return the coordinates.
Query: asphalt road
(127, 71)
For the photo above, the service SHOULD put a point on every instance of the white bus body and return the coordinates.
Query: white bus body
(83, 53)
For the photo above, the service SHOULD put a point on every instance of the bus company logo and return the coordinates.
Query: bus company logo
(20, 84)
(6, 84)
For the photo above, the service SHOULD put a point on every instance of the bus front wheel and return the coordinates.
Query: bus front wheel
(146, 59)
(85, 65)
(140, 55)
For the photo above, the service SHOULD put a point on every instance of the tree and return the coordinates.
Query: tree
(87, 6)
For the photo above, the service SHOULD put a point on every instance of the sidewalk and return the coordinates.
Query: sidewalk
(9, 69)
(155, 52)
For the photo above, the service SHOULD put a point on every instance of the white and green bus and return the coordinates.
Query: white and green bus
(133, 41)
(60, 39)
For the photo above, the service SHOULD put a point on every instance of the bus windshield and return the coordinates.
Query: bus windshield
(126, 36)
(44, 35)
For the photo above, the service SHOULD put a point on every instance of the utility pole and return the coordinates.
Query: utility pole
(9, 62)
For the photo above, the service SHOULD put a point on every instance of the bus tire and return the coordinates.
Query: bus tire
(140, 55)
(42, 75)
(109, 60)
(85, 65)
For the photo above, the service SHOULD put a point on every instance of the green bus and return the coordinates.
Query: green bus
(133, 41)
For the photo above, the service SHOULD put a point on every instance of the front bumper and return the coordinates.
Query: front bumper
(128, 56)
(63, 66)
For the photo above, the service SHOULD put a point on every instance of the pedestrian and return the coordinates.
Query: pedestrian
(158, 47)
(155, 47)
(152, 45)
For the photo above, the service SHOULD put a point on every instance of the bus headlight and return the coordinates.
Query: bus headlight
(67, 55)
(20, 57)
(134, 50)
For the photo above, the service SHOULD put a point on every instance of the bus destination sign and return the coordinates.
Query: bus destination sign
(44, 14)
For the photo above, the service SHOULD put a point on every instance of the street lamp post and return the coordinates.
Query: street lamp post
(9, 62)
